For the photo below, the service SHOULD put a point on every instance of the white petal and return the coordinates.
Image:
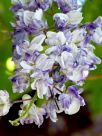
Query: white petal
(61, 38)
(36, 43)
(41, 59)
(75, 17)
(62, 16)
(78, 35)
(27, 17)
(51, 34)
(38, 39)
(48, 65)
(38, 14)
(53, 116)
(19, 50)
(4, 102)
(26, 96)
(5, 110)
(74, 107)
(37, 74)
(79, 74)
(51, 49)
(33, 85)
(25, 65)
(66, 59)
(55, 38)
(41, 88)
(85, 73)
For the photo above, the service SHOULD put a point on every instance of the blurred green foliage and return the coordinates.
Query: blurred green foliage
(93, 86)
(5, 45)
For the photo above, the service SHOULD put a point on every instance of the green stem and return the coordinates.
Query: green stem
(19, 101)
(16, 121)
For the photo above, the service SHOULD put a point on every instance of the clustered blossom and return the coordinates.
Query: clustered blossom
(49, 58)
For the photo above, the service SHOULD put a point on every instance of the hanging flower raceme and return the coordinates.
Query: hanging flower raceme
(48, 55)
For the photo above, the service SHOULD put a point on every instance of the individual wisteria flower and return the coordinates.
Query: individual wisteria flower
(97, 35)
(4, 102)
(49, 56)
(20, 82)
(95, 30)
(52, 110)
(55, 38)
(71, 101)
(67, 20)
(28, 49)
(35, 114)
(31, 22)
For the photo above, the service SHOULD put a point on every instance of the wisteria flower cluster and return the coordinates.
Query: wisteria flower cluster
(53, 54)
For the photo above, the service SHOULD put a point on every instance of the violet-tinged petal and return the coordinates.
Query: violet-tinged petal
(26, 66)
(67, 5)
(44, 4)
(55, 38)
(20, 82)
(97, 35)
(98, 22)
